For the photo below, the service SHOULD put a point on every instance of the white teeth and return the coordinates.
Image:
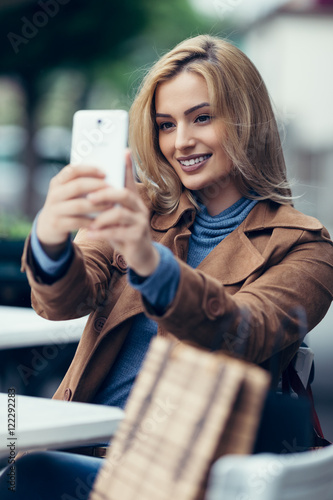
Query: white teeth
(188, 163)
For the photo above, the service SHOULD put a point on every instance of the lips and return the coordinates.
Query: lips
(193, 162)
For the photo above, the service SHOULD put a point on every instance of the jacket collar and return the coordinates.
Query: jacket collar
(240, 257)
(185, 209)
(266, 214)
(236, 258)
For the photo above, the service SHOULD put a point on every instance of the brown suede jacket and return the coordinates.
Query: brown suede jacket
(248, 297)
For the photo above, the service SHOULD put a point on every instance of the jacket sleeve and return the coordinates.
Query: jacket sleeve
(53, 269)
(272, 310)
(84, 285)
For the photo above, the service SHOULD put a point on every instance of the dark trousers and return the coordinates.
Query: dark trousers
(50, 475)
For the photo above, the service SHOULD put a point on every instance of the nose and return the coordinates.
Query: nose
(184, 137)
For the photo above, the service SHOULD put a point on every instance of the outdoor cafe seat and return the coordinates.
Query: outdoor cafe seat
(300, 476)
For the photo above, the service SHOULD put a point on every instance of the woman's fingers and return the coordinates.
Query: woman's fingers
(116, 216)
(124, 197)
(120, 224)
(66, 208)
(127, 197)
(79, 191)
(132, 239)
(78, 187)
(71, 172)
(79, 207)
(74, 182)
(53, 228)
(74, 223)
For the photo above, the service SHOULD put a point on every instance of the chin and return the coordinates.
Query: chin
(198, 186)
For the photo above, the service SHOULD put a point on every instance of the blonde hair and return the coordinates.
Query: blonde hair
(240, 98)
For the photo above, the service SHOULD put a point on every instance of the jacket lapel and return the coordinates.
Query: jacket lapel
(236, 257)
(232, 260)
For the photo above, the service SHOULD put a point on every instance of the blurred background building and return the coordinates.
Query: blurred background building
(291, 43)
(58, 56)
(292, 48)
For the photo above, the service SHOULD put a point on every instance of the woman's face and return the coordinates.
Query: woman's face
(191, 138)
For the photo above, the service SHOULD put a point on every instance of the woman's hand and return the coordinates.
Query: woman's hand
(67, 208)
(125, 224)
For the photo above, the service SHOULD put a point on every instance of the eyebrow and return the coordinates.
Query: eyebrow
(187, 112)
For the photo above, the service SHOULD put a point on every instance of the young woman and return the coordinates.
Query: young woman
(206, 248)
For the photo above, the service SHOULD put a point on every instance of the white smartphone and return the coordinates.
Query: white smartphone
(99, 139)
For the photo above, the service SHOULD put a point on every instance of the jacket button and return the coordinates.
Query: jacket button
(214, 307)
(99, 323)
(121, 262)
(67, 394)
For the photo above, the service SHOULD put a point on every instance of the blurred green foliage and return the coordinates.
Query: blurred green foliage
(39, 35)
(14, 227)
(167, 23)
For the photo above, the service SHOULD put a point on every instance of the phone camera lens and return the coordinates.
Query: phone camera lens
(99, 122)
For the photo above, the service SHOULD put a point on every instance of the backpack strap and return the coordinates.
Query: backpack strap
(297, 378)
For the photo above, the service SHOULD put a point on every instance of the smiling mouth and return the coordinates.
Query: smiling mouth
(194, 161)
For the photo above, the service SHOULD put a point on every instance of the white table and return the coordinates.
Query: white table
(45, 423)
(22, 327)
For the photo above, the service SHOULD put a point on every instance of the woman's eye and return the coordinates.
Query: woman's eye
(165, 125)
(203, 118)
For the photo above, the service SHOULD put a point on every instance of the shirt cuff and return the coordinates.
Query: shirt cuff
(160, 288)
(50, 267)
